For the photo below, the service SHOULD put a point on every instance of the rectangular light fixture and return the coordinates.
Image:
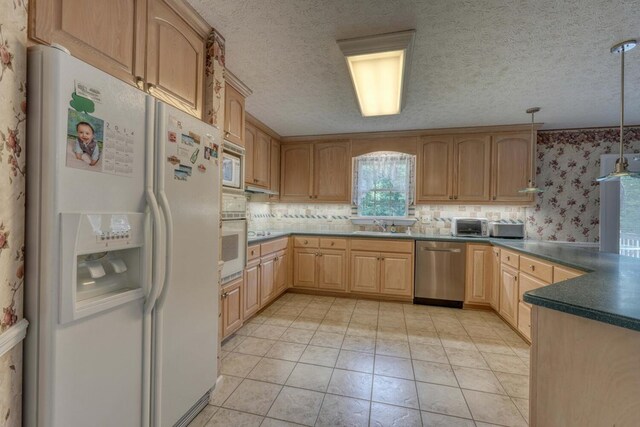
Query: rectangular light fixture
(379, 66)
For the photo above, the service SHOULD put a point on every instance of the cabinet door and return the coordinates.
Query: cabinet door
(304, 268)
(110, 35)
(251, 289)
(233, 115)
(365, 272)
(472, 164)
(332, 171)
(281, 271)
(509, 294)
(175, 59)
(295, 172)
(396, 277)
(261, 160)
(511, 167)
(274, 184)
(250, 138)
(332, 270)
(267, 275)
(478, 280)
(231, 308)
(434, 177)
(495, 278)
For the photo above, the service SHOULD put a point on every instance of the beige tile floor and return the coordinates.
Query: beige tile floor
(322, 361)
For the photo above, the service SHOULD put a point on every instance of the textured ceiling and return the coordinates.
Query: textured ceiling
(475, 62)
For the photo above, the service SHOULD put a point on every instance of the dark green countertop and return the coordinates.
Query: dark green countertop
(609, 292)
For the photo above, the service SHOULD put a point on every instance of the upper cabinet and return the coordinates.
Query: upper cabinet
(295, 172)
(156, 45)
(332, 171)
(250, 138)
(109, 35)
(315, 172)
(472, 168)
(175, 58)
(262, 158)
(435, 168)
(234, 116)
(511, 167)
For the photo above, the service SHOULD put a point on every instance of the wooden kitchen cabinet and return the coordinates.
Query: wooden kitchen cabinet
(304, 268)
(434, 169)
(315, 172)
(494, 295)
(479, 277)
(231, 307)
(250, 139)
(280, 271)
(110, 35)
(332, 171)
(295, 172)
(509, 294)
(261, 160)
(234, 116)
(267, 276)
(396, 274)
(251, 289)
(175, 56)
(511, 167)
(332, 270)
(365, 272)
(472, 168)
(274, 172)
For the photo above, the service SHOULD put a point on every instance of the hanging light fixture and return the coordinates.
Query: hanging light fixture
(622, 165)
(531, 186)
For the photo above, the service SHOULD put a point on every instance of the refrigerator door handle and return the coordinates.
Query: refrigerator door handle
(164, 205)
(157, 270)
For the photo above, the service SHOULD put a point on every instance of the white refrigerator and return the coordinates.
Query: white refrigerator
(123, 202)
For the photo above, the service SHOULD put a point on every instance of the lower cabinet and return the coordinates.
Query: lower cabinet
(324, 269)
(280, 270)
(231, 307)
(304, 268)
(384, 273)
(251, 289)
(267, 276)
(478, 274)
(509, 294)
(494, 294)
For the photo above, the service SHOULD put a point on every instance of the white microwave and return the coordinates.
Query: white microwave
(232, 163)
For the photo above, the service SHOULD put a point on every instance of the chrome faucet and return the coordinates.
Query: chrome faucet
(381, 223)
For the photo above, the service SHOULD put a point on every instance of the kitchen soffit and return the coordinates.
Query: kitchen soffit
(475, 62)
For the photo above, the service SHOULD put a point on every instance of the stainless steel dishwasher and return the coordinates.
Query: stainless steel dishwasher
(440, 273)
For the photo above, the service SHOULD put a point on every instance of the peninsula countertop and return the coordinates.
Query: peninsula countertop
(609, 292)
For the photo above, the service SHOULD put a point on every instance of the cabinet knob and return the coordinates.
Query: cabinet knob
(320, 254)
(515, 278)
(450, 197)
(532, 267)
(508, 258)
(333, 243)
(455, 197)
(494, 197)
(140, 82)
(226, 134)
(151, 88)
(306, 242)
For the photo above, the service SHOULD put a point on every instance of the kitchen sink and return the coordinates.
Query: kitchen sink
(377, 233)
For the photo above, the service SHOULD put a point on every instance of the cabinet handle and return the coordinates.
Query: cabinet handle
(450, 197)
(226, 134)
(151, 88)
(494, 197)
(320, 254)
(382, 259)
(333, 243)
(515, 278)
(508, 258)
(140, 82)
(455, 197)
(532, 267)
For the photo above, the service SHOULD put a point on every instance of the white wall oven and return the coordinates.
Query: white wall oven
(234, 236)
(232, 167)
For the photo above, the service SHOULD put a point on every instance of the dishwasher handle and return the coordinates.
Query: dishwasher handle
(457, 251)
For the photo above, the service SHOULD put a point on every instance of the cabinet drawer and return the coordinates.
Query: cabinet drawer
(305, 242)
(537, 268)
(524, 319)
(509, 258)
(273, 246)
(328, 243)
(253, 252)
(528, 283)
(564, 273)
(382, 245)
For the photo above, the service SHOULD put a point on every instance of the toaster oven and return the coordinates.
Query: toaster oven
(469, 227)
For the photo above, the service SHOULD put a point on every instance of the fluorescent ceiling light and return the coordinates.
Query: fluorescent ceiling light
(379, 67)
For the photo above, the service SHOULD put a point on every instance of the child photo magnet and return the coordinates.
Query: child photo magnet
(85, 140)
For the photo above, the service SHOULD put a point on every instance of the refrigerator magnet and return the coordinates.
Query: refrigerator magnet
(207, 153)
(194, 156)
(188, 140)
(202, 168)
(173, 138)
(195, 137)
(174, 160)
(214, 151)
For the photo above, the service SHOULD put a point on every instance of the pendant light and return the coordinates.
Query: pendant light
(531, 186)
(622, 165)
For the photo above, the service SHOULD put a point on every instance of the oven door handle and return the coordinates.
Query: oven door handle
(455, 251)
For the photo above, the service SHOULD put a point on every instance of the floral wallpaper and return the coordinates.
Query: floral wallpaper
(214, 80)
(13, 58)
(568, 164)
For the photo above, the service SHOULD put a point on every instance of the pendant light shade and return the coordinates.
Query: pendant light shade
(531, 187)
(622, 165)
